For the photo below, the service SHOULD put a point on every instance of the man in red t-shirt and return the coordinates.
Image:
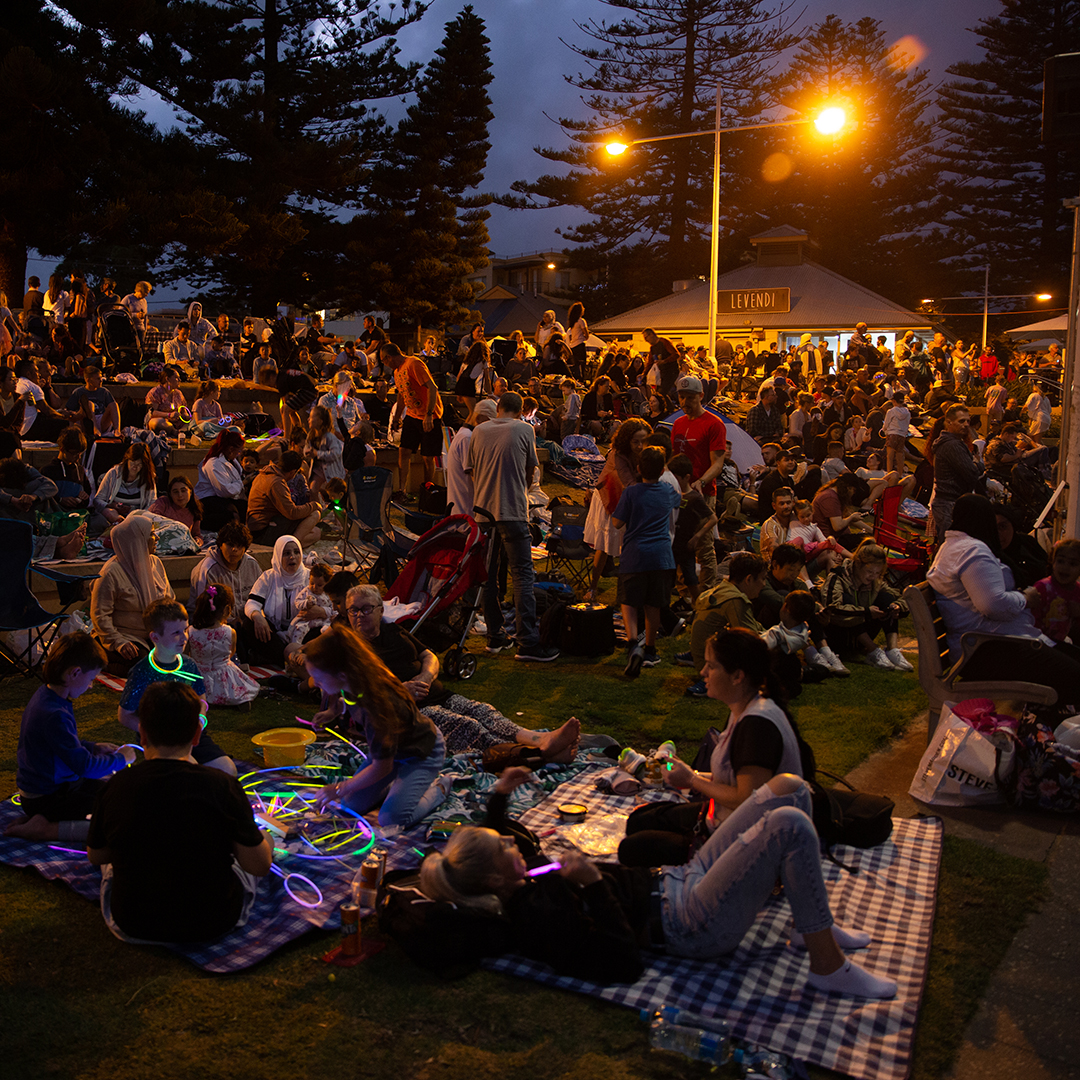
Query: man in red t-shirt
(417, 411)
(702, 437)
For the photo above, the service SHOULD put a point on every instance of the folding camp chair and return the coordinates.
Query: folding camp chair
(567, 551)
(908, 556)
(20, 612)
(384, 547)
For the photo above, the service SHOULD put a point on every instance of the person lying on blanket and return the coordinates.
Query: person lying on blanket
(586, 921)
(465, 724)
(760, 741)
(58, 774)
(180, 850)
(406, 751)
(167, 623)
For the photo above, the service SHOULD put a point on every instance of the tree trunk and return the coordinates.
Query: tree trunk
(12, 263)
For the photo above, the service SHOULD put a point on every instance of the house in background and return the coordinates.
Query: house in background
(779, 297)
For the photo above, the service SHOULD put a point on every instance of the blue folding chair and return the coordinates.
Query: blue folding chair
(387, 545)
(19, 607)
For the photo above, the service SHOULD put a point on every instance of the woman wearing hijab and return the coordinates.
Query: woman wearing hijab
(272, 603)
(976, 591)
(130, 581)
(202, 330)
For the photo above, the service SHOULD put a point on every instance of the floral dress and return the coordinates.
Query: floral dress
(226, 684)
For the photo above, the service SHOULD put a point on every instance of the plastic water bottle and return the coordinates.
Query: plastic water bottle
(699, 1037)
(764, 1063)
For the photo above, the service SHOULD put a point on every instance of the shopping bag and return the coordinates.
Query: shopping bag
(960, 766)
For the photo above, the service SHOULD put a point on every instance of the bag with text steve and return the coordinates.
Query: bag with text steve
(961, 765)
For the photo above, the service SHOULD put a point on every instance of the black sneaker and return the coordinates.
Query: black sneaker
(496, 645)
(541, 654)
(651, 657)
(633, 662)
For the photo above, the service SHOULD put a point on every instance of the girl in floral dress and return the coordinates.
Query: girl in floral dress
(212, 645)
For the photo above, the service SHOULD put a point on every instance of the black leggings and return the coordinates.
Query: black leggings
(1031, 661)
(843, 638)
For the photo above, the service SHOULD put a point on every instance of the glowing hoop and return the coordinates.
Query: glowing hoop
(305, 881)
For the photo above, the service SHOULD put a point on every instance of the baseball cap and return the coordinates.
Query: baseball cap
(688, 384)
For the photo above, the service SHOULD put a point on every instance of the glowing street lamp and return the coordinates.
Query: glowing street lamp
(829, 121)
(987, 297)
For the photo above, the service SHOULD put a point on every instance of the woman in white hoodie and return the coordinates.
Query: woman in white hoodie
(220, 486)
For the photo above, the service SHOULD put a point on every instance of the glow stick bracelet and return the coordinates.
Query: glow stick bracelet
(134, 746)
(306, 881)
(547, 868)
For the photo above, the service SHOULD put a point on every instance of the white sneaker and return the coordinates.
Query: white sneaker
(479, 627)
(836, 665)
(898, 660)
(819, 660)
(877, 658)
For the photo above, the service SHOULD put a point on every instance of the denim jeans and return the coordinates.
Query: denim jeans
(408, 792)
(512, 544)
(710, 903)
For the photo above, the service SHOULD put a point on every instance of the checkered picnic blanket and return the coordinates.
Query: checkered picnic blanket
(761, 990)
(117, 684)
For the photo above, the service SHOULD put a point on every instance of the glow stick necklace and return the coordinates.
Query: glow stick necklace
(176, 672)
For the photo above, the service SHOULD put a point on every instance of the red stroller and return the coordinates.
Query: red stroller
(446, 568)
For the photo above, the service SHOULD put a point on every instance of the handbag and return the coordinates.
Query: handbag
(1046, 774)
(966, 757)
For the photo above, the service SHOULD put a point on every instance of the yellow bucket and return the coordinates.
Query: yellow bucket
(283, 745)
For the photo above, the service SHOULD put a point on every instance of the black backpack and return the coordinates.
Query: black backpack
(850, 817)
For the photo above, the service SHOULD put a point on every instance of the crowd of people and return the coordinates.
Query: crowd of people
(671, 513)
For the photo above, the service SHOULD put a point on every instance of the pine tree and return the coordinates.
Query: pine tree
(278, 92)
(655, 72)
(1000, 188)
(426, 230)
(84, 177)
(863, 195)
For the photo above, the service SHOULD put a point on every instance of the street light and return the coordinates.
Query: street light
(986, 301)
(829, 121)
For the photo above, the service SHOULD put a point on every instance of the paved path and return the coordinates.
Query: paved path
(1026, 1027)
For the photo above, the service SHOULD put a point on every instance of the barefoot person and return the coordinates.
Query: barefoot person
(465, 724)
(406, 750)
(58, 774)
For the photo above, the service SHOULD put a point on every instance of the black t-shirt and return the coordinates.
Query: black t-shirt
(401, 653)
(170, 827)
(770, 482)
(379, 411)
(756, 742)
(370, 337)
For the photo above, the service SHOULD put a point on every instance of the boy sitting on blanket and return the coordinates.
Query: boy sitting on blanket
(167, 622)
(58, 774)
(179, 845)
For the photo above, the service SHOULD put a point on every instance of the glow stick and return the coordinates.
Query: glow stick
(73, 851)
(306, 881)
(547, 868)
(177, 671)
(347, 743)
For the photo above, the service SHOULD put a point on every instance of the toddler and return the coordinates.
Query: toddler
(313, 606)
(212, 645)
(792, 633)
(1056, 601)
(571, 416)
(206, 412)
(693, 525)
(803, 533)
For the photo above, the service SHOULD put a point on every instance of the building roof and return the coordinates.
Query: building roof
(820, 300)
(781, 232)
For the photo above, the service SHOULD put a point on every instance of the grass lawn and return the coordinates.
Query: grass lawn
(75, 1002)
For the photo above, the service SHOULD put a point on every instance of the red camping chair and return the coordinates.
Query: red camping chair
(909, 557)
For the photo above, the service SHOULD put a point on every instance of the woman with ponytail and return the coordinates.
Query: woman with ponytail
(405, 749)
(760, 742)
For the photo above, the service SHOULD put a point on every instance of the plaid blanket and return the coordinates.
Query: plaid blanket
(277, 917)
(761, 988)
(117, 684)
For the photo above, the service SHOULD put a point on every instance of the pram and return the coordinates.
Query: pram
(119, 340)
(445, 571)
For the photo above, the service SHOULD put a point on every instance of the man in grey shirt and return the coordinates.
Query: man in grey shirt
(502, 457)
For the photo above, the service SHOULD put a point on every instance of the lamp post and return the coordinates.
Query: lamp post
(986, 301)
(828, 122)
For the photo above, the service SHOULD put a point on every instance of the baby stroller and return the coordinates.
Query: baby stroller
(445, 571)
(119, 340)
